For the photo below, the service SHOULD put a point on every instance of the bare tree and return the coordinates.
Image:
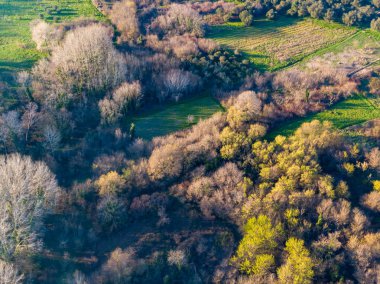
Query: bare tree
(9, 274)
(120, 265)
(124, 16)
(24, 79)
(28, 191)
(177, 83)
(85, 62)
(180, 19)
(29, 118)
(40, 33)
(177, 257)
(127, 97)
(10, 128)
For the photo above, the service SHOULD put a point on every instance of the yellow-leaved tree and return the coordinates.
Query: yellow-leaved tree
(298, 268)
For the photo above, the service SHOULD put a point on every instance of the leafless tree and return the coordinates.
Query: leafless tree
(180, 19)
(40, 33)
(29, 118)
(24, 80)
(85, 62)
(9, 274)
(177, 257)
(10, 128)
(178, 82)
(52, 138)
(28, 191)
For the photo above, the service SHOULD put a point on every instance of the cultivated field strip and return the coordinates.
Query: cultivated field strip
(279, 42)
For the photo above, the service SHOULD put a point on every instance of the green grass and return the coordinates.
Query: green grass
(17, 50)
(272, 45)
(163, 121)
(352, 111)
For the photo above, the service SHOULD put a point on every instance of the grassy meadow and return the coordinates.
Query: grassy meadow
(162, 121)
(272, 45)
(352, 111)
(17, 50)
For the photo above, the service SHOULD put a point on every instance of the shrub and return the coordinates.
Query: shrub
(124, 99)
(246, 18)
(375, 24)
(271, 14)
(180, 19)
(177, 258)
(120, 266)
(110, 183)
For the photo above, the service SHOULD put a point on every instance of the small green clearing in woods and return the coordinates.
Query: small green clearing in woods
(352, 111)
(159, 122)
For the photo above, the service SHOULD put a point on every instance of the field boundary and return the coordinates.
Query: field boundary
(319, 52)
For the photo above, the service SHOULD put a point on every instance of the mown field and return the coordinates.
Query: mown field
(17, 51)
(352, 111)
(279, 43)
(174, 117)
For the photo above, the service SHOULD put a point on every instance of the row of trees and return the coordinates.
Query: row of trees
(350, 13)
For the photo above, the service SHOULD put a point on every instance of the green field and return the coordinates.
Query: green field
(271, 45)
(160, 122)
(17, 50)
(352, 111)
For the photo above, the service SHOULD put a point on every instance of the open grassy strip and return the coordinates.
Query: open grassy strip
(175, 117)
(17, 50)
(352, 111)
(361, 40)
(275, 44)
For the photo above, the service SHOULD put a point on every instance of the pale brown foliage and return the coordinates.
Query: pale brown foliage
(220, 195)
(9, 274)
(182, 151)
(120, 265)
(180, 19)
(124, 16)
(110, 183)
(372, 201)
(177, 257)
(45, 35)
(335, 212)
(365, 251)
(126, 97)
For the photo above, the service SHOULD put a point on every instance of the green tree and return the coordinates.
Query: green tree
(298, 268)
(255, 254)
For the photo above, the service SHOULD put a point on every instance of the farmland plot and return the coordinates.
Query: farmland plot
(275, 44)
(175, 117)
